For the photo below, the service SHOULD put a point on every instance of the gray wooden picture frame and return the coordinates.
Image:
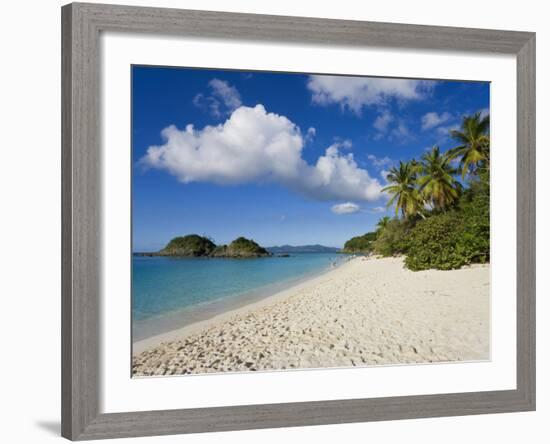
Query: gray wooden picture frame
(81, 239)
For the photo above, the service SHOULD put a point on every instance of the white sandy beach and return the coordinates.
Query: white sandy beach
(365, 312)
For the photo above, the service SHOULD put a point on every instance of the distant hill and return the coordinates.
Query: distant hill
(190, 245)
(302, 249)
(240, 247)
(194, 245)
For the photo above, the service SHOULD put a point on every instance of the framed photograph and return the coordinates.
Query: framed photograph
(279, 221)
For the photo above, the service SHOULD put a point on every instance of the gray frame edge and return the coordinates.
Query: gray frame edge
(80, 193)
(81, 25)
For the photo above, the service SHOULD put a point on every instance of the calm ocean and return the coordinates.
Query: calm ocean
(169, 293)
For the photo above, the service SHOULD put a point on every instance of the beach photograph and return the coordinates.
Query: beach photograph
(291, 221)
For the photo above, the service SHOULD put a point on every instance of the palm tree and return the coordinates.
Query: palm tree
(437, 183)
(416, 166)
(473, 137)
(382, 223)
(405, 194)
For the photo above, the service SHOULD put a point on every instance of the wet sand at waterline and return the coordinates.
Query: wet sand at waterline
(365, 312)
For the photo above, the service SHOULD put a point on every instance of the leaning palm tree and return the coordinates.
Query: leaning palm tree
(406, 196)
(437, 183)
(473, 137)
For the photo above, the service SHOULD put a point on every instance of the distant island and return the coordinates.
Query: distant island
(194, 245)
(302, 249)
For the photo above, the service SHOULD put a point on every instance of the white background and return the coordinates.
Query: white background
(30, 223)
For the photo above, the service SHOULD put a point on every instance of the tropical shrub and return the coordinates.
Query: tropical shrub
(360, 244)
(437, 243)
(475, 208)
(453, 239)
(392, 240)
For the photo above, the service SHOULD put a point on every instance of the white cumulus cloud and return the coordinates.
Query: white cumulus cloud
(255, 146)
(337, 176)
(355, 92)
(433, 119)
(345, 208)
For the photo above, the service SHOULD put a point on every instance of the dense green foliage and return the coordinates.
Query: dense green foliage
(241, 247)
(195, 245)
(190, 245)
(443, 224)
(243, 244)
(438, 242)
(392, 240)
(475, 207)
(381, 224)
(360, 244)
(455, 238)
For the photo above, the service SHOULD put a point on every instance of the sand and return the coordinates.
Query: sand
(365, 312)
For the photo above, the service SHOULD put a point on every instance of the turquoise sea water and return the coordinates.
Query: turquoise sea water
(170, 293)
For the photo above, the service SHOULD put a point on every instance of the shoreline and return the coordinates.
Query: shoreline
(367, 311)
(256, 299)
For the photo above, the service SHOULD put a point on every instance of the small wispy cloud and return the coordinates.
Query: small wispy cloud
(380, 162)
(382, 122)
(226, 93)
(444, 131)
(433, 119)
(343, 144)
(222, 100)
(351, 208)
(389, 127)
(345, 208)
(400, 133)
(375, 210)
(310, 134)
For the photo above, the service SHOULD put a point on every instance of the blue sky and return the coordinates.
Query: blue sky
(276, 157)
